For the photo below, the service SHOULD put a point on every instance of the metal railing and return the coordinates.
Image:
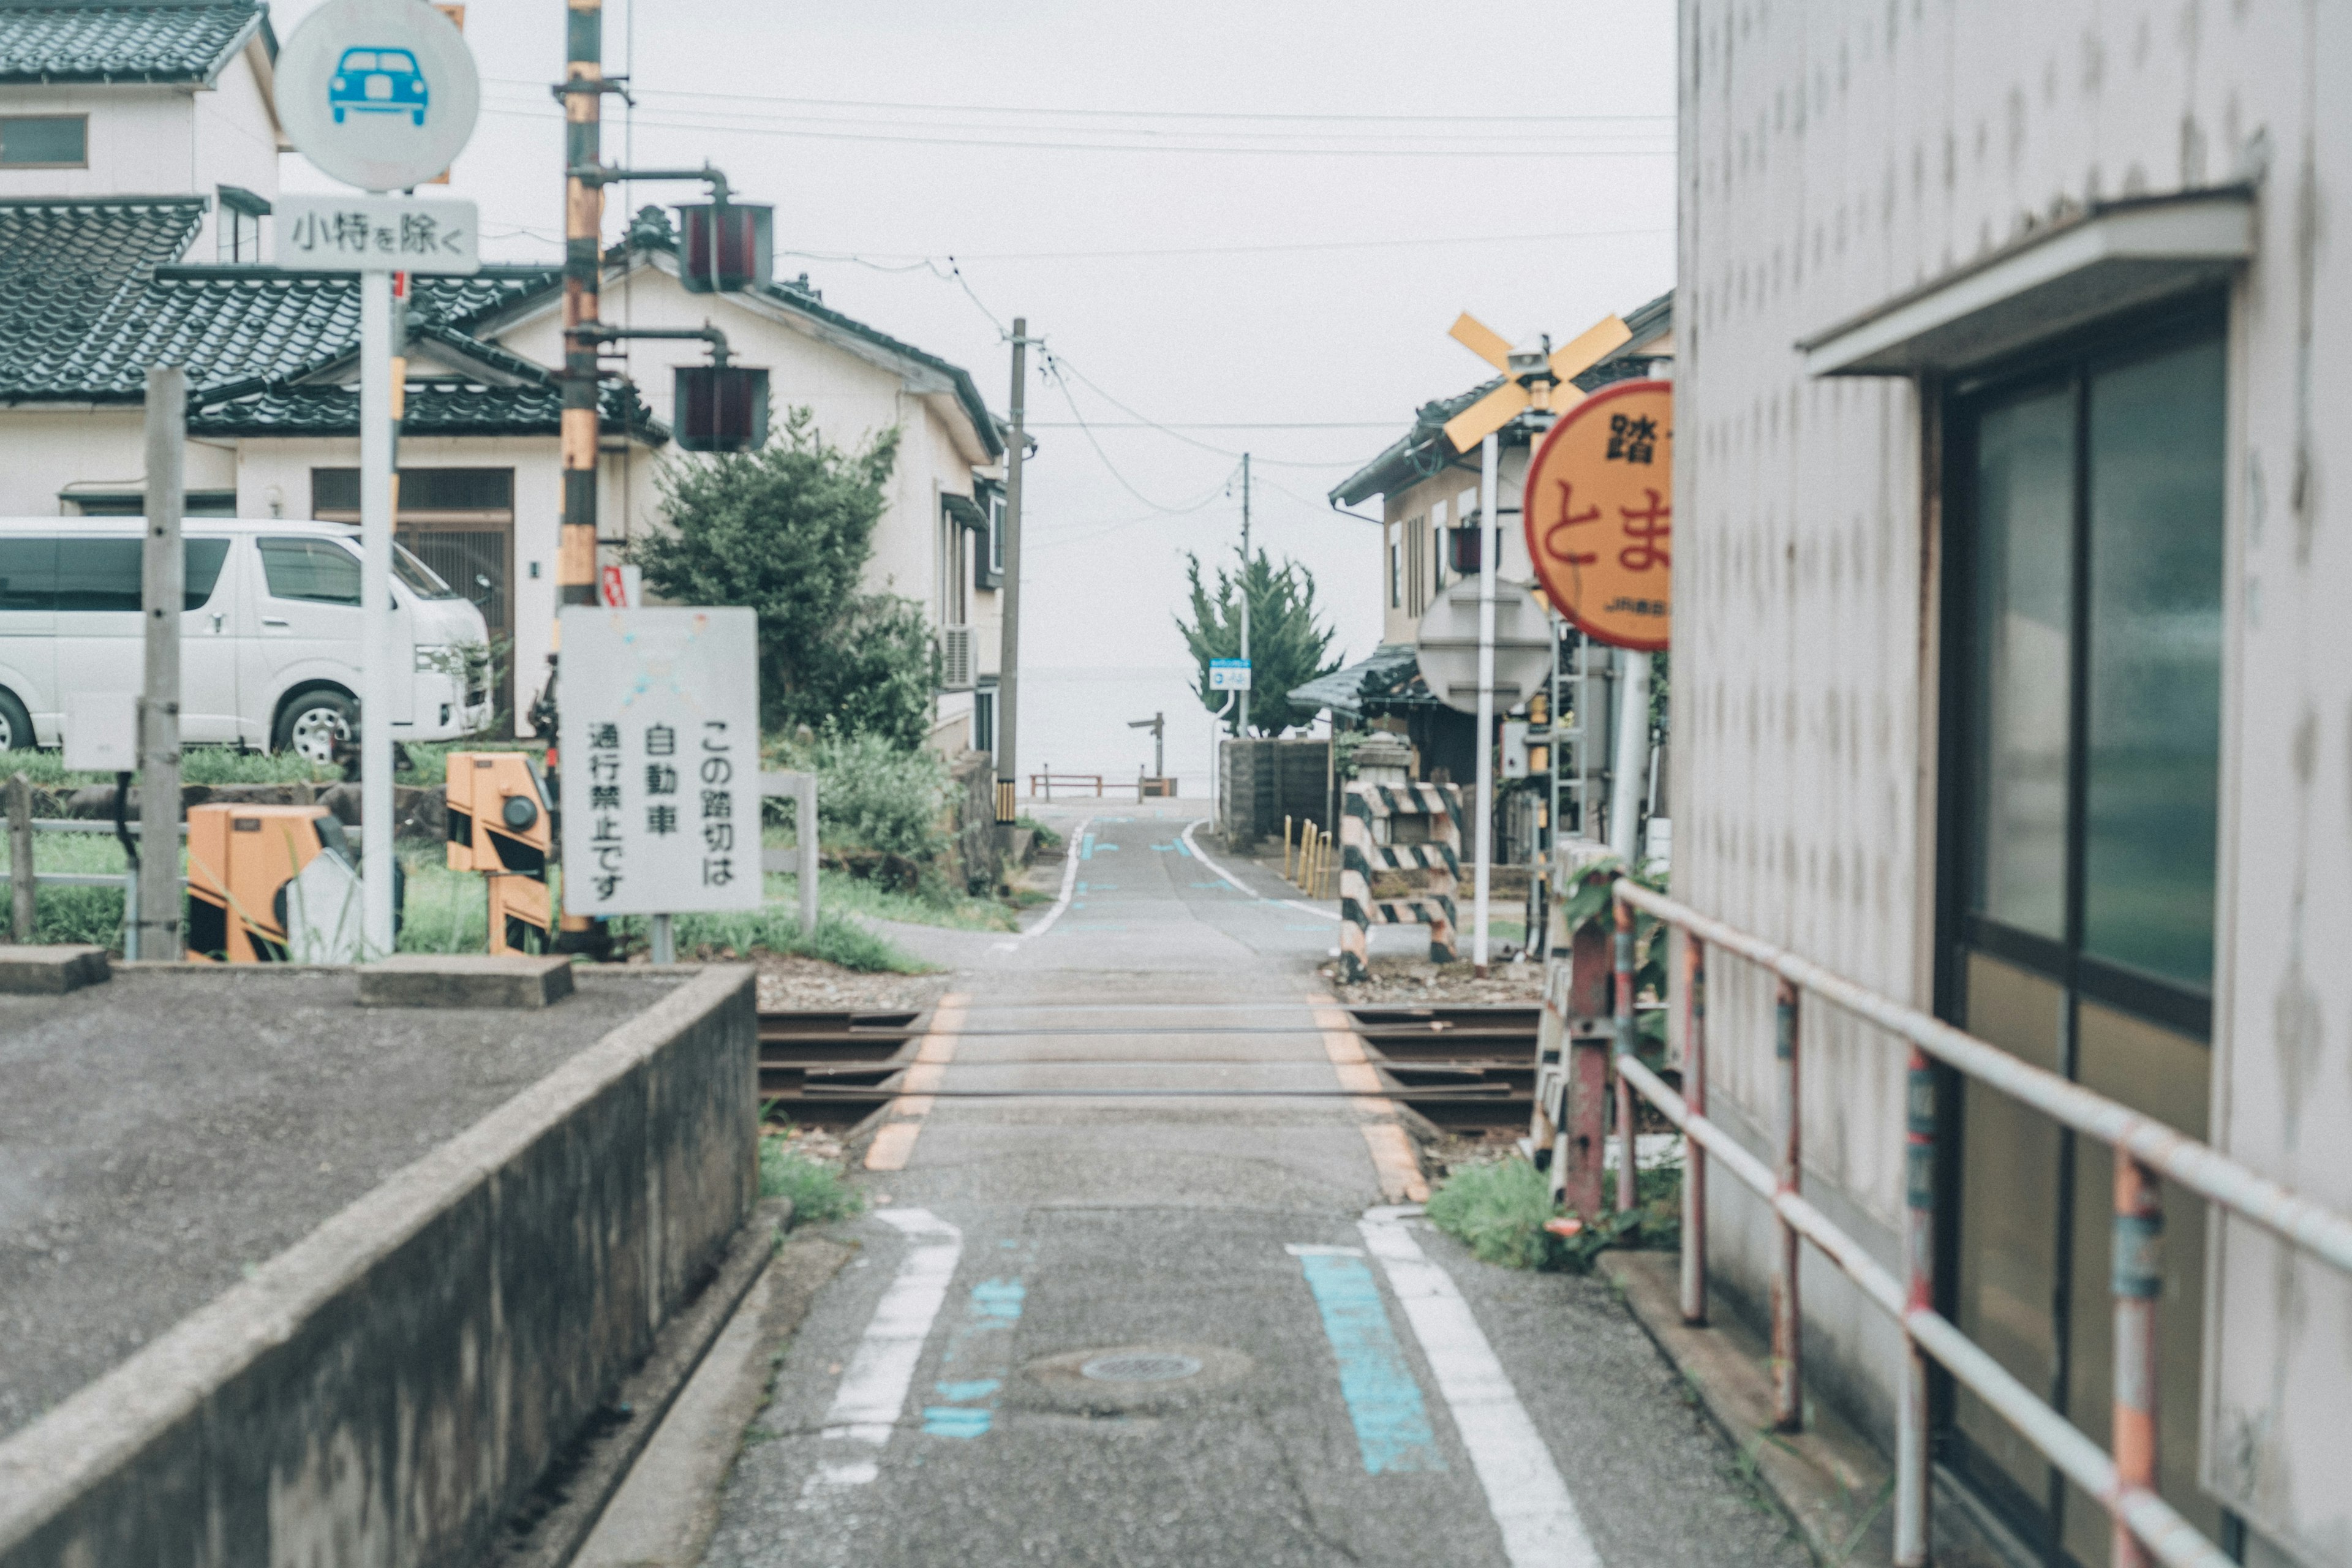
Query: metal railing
(2145, 1528)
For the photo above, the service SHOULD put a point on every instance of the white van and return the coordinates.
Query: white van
(269, 653)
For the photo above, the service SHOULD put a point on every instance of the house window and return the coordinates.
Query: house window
(45, 141)
(1437, 548)
(983, 715)
(996, 537)
(2086, 567)
(1396, 569)
(239, 228)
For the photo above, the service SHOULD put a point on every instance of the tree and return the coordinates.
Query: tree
(1286, 646)
(787, 531)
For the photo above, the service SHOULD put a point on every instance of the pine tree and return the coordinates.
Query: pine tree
(1286, 646)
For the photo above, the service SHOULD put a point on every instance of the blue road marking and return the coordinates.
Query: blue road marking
(1086, 847)
(1392, 1429)
(981, 1345)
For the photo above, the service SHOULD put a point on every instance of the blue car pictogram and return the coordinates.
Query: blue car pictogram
(377, 82)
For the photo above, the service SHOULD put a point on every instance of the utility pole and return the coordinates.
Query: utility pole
(584, 231)
(163, 581)
(1008, 661)
(1241, 724)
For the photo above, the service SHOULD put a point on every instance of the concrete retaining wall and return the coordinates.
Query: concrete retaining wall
(1263, 781)
(391, 1389)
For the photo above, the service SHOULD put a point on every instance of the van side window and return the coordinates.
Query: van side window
(29, 573)
(97, 574)
(203, 569)
(317, 570)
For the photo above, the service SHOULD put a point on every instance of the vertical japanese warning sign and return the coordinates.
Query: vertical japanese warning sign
(1599, 514)
(660, 743)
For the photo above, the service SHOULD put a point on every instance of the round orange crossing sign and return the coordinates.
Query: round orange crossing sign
(1599, 514)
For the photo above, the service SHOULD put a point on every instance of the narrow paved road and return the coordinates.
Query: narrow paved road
(1141, 1326)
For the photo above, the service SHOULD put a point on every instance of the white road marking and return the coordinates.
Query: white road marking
(865, 1407)
(1202, 856)
(1069, 884)
(1524, 1491)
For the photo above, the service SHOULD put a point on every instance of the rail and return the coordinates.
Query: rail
(2145, 1528)
(1041, 786)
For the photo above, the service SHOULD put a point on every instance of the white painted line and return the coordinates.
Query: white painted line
(873, 1392)
(1524, 1490)
(1202, 856)
(1069, 884)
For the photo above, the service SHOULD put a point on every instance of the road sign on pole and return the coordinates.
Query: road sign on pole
(1229, 675)
(660, 736)
(318, 233)
(1599, 514)
(381, 94)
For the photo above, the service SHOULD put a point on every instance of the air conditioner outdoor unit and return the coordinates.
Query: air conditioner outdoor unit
(955, 658)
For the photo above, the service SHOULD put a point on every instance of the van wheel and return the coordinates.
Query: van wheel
(16, 724)
(315, 724)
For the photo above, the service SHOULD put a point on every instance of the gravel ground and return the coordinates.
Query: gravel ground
(164, 1133)
(813, 986)
(1400, 980)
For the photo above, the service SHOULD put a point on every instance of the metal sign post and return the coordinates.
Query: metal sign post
(380, 94)
(1489, 546)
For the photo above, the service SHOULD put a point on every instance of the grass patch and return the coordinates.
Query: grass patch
(819, 1195)
(1046, 837)
(1499, 1211)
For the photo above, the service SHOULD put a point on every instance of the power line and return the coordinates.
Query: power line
(1228, 424)
(867, 258)
(1418, 153)
(1102, 113)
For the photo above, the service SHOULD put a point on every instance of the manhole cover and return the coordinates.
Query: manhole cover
(1140, 1366)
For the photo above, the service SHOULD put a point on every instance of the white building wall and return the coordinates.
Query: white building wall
(1835, 155)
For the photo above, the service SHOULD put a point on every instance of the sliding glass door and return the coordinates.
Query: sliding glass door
(2084, 569)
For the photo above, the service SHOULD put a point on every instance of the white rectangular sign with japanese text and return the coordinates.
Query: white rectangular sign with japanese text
(375, 234)
(660, 772)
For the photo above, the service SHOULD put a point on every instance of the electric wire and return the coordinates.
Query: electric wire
(987, 142)
(915, 261)
(1284, 115)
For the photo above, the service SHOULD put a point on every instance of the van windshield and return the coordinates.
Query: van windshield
(418, 577)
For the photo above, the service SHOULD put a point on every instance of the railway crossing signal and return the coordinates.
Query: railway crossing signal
(1528, 374)
(500, 825)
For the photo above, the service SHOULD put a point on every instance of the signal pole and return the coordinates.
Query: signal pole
(1008, 661)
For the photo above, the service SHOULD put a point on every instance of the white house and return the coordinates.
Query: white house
(108, 266)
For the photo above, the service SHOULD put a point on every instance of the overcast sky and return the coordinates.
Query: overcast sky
(1218, 213)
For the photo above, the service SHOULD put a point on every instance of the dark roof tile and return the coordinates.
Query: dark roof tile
(432, 409)
(144, 40)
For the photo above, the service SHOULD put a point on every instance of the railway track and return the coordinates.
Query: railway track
(1469, 1070)
(850, 1057)
(1482, 1058)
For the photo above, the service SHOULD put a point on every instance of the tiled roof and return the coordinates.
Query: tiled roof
(141, 41)
(432, 409)
(90, 297)
(66, 268)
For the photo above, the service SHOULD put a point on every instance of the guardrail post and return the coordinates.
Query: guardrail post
(1585, 1129)
(1625, 1042)
(1911, 1479)
(804, 816)
(21, 885)
(1788, 1382)
(2138, 1281)
(1694, 1157)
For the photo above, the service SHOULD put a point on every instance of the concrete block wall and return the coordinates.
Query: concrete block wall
(391, 1389)
(1263, 781)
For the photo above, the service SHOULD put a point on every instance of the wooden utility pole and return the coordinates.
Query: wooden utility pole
(1008, 672)
(584, 229)
(162, 594)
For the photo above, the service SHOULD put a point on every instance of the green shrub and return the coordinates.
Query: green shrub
(874, 794)
(819, 1195)
(1046, 837)
(1499, 1210)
